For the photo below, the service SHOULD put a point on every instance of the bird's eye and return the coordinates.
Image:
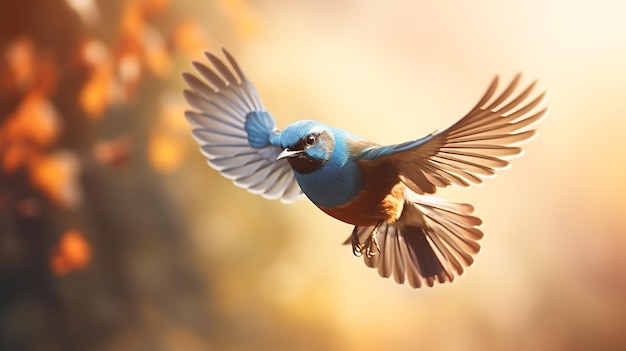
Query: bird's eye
(309, 140)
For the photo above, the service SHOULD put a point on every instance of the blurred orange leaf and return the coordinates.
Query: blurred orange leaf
(35, 120)
(94, 97)
(30, 69)
(34, 123)
(14, 156)
(20, 57)
(133, 21)
(56, 176)
(96, 94)
(72, 253)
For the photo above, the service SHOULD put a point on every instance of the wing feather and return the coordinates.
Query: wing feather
(473, 148)
(223, 100)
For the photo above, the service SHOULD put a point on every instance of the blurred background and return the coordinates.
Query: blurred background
(116, 235)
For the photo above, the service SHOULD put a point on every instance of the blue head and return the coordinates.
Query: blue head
(322, 160)
(308, 145)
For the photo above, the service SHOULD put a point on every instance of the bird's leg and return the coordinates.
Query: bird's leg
(373, 242)
(356, 245)
(370, 247)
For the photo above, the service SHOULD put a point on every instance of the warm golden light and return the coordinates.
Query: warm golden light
(116, 235)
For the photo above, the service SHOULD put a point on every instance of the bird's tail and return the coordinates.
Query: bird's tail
(432, 241)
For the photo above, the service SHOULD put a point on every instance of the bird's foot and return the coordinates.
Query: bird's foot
(357, 248)
(370, 246)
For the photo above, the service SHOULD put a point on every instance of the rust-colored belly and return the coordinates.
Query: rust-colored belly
(382, 198)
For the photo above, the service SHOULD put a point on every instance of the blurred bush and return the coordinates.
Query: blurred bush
(86, 137)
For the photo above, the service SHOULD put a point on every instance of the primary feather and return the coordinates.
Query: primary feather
(471, 149)
(235, 133)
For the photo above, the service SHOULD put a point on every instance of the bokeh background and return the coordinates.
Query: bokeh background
(115, 235)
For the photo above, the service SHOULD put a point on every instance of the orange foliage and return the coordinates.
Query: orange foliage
(56, 176)
(95, 95)
(133, 21)
(20, 57)
(29, 133)
(14, 156)
(34, 124)
(72, 253)
(35, 120)
(140, 45)
(141, 42)
(135, 15)
(29, 69)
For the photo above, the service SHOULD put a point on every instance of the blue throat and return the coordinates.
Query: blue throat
(339, 180)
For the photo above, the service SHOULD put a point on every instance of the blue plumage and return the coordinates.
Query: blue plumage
(338, 181)
(261, 129)
(383, 191)
(372, 153)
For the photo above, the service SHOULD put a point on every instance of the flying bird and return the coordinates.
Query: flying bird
(384, 191)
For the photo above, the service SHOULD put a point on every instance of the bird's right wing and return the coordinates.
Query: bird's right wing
(237, 136)
(471, 149)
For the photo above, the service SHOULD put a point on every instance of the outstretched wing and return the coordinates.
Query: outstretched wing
(471, 149)
(435, 248)
(237, 136)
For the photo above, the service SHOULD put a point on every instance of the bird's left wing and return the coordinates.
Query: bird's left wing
(471, 149)
(237, 136)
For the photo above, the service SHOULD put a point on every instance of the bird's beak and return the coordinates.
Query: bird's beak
(288, 153)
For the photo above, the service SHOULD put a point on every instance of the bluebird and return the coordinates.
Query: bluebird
(385, 192)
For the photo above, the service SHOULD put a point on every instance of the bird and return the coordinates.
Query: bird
(384, 191)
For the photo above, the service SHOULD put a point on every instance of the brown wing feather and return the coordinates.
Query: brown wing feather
(473, 148)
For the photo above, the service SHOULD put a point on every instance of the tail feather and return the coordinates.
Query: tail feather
(433, 241)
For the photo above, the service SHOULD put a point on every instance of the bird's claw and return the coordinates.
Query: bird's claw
(370, 246)
(357, 248)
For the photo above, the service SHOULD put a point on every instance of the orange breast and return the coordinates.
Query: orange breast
(382, 198)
